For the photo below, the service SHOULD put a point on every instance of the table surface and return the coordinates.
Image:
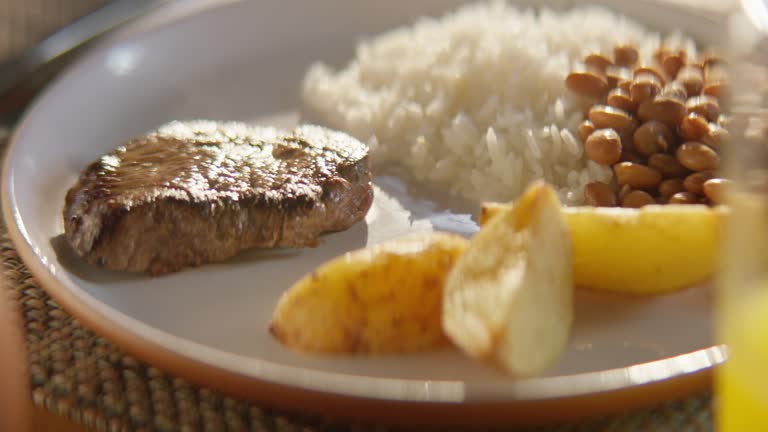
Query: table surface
(23, 22)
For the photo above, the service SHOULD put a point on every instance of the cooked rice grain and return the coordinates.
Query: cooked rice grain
(476, 100)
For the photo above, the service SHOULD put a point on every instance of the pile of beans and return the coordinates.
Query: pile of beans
(658, 125)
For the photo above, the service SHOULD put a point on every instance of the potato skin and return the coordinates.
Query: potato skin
(652, 250)
(509, 299)
(382, 299)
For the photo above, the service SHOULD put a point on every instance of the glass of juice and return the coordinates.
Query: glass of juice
(742, 382)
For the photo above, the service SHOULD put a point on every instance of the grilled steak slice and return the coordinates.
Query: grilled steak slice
(200, 191)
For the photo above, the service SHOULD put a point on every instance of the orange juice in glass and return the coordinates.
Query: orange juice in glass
(742, 382)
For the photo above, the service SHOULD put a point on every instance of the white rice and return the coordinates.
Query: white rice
(476, 100)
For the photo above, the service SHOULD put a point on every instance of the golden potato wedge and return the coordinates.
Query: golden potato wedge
(382, 299)
(651, 250)
(509, 298)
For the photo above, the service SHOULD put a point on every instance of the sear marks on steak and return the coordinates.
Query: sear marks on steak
(200, 191)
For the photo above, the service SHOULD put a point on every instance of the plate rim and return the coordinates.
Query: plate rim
(637, 385)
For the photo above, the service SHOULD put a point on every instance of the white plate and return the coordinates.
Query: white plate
(244, 61)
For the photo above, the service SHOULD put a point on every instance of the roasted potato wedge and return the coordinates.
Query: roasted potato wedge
(382, 299)
(651, 250)
(509, 298)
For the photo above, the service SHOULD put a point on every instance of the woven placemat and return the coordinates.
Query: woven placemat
(80, 376)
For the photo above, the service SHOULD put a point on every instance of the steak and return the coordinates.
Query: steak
(194, 192)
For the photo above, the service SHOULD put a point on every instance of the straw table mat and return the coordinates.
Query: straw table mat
(79, 376)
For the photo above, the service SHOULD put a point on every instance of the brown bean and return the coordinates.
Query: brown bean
(651, 69)
(637, 199)
(716, 81)
(623, 191)
(669, 187)
(704, 105)
(711, 59)
(627, 140)
(675, 47)
(644, 87)
(616, 74)
(692, 78)
(620, 99)
(716, 137)
(585, 130)
(587, 83)
(716, 89)
(597, 61)
(625, 85)
(603, 146)
(694, 182)
(674, 89)
(672, 62)
(715, 189)
(599, 194)
(683, 198)
(697, 62)
(667, 165)
(608, 117)
(652, 137)
(628, 131)
(693, 127)
(625, 55)
(637, 176)
(669, 111)
(697, 157)
(660, 53)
